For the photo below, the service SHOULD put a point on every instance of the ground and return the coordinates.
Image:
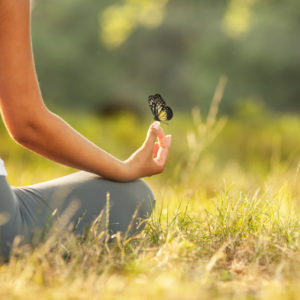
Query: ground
(225, 226)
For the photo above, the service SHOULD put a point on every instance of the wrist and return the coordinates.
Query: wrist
(122, 172)
(129, 170)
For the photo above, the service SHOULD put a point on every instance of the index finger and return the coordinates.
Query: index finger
(162, 157)
(162, 138)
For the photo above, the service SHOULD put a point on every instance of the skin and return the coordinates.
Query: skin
(32, 125)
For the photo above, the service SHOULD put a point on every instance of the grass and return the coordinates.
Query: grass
(226, 223)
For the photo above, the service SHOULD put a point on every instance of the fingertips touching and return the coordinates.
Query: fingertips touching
(153, 130)
(152, 135)
(155, 125)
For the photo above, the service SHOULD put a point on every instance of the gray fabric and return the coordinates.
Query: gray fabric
(75, 200)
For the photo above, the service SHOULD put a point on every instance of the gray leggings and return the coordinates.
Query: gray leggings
(79, 198)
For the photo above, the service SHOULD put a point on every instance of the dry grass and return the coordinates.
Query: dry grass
(226, 224)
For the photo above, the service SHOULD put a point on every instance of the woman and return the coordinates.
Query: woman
(28, 209)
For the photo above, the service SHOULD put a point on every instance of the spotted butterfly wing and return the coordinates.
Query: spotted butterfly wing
(158, 107)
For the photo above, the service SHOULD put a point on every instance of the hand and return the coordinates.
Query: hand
(152, 156)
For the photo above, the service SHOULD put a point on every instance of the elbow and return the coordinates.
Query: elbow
(21, 137)
(25, 132)
(25, 122)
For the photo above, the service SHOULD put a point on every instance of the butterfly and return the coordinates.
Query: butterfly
(158, 107)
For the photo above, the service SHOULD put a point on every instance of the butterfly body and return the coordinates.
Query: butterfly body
(158, 107)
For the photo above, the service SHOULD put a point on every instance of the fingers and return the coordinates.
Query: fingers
(159, 149)
(161, 138)
(163, 152)
(152, 135)
(151, 158)
(169, 140)
(155, 150)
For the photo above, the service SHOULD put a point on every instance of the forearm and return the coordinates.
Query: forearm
(56, 140)
(25, 115)
(31, 124)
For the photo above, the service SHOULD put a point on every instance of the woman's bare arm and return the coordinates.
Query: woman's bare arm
(32, 125)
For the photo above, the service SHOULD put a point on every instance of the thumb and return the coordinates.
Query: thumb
(152, 135)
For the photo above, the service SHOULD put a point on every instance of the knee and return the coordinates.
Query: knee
(131, 206)
(145, 199)
(144, 204)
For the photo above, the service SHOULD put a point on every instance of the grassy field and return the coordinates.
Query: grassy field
(226, 223)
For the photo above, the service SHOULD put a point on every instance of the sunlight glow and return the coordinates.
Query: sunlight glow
(237, 20)
(117, 22)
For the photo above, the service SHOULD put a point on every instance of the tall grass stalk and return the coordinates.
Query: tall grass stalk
(205, 132)
(221, 233)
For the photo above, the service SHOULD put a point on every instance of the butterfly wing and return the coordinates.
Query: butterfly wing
(158, 107)
(152, 104)
(156, 104)
(165, 114)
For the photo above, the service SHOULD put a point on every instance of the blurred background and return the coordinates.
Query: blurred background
(97, 55)
(99, 60)
(230, 70)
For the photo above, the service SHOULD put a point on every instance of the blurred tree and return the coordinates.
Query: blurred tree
(237, 20)
(118, 21)
(178, 48)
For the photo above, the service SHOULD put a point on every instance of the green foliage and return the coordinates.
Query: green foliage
(117, 22)
(254, 43)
